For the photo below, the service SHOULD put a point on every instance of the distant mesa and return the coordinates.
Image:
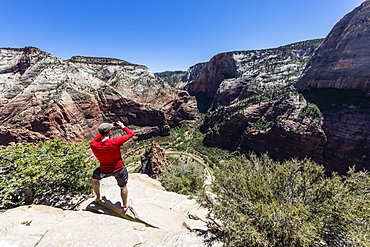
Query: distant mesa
(101, 60)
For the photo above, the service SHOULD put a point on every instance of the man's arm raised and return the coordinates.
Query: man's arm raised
(126, 137)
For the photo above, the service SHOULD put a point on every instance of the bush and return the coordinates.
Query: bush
(262, 124)
(311, 111)
(30, 174)
(261, 202)
(182, 178)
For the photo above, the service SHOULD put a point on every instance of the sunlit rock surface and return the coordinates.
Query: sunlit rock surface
(173, 214)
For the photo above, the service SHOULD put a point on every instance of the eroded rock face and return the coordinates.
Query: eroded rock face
(132, 81)
(337, 81)
(290, 135)
(43, 97)
(346, 121)
(172, 77)
(205, 85)
(328, 125)
(35, 101)
(343, 60)
(273, 127)
(154, 161)
(238, 75)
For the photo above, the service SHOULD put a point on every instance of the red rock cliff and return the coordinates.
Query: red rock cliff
(343, 59)
(43, 97)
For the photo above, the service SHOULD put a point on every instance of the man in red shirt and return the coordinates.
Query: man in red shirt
(108, 152)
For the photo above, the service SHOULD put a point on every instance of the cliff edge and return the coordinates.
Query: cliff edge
(178, 220)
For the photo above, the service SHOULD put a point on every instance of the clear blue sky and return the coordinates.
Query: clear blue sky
(164, 35)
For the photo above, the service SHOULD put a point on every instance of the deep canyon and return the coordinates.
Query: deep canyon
(306, 99)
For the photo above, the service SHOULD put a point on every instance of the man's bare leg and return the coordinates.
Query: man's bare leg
(124, 196)
(96, 187)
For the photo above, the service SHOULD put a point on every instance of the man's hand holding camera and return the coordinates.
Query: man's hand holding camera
(120, 124)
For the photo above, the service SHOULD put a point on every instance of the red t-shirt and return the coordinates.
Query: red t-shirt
(108, 152)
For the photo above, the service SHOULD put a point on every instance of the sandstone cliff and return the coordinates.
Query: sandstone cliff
(336, 80)
(343, 60)
(132, 81)
(276, 127)
(181, 79)
(172, 77)
(238, 75)
(42, 97)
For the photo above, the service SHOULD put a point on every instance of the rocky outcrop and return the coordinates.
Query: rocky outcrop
(287, 134)
(205, 85)
(346, 117)
(181, 79)
(337, 81)
(35, 101)
(279, 128)
(154, 161)
(328, 125)
(43, 97)
(178, 220)
(343, 60)
(238, 75)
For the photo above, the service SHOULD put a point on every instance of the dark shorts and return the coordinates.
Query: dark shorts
(121, 176)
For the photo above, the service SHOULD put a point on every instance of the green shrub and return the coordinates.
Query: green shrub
(261, 202)
(311, 111)
(262, 124)
(182, 178)
(35, 173)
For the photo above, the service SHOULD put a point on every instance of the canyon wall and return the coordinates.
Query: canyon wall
(343, 60)
(237, 75)
(323, 114)
(44, 97)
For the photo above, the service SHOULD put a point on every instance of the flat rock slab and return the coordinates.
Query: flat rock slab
(152, 205)
(167, 220)
(45, 226)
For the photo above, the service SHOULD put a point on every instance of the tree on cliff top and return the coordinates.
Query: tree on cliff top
(261, 202)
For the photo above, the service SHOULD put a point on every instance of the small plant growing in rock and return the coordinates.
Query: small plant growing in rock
(26, 223)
